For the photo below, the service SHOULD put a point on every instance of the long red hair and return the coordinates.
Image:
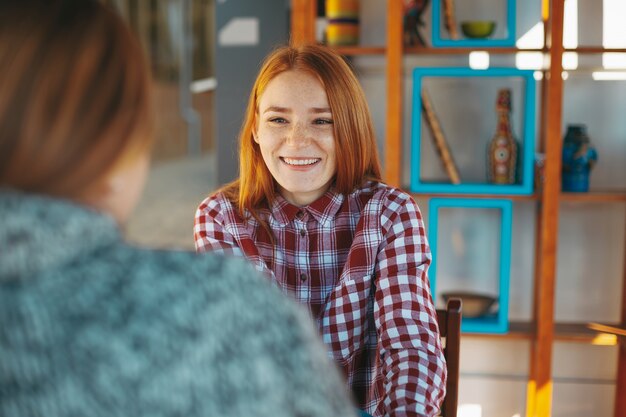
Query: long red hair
(355, 143)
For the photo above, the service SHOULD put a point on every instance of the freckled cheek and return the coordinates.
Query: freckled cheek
(269, 142)
(329, 147)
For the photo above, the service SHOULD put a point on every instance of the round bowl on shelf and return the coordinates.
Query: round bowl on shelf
(473, 304)
(478, 29)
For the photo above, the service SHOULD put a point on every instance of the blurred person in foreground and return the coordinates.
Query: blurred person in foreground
(90, 326)
(310, 211)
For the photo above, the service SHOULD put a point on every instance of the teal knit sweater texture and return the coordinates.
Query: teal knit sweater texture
(91, 326)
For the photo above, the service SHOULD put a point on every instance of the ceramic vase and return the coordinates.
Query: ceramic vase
(579, 158)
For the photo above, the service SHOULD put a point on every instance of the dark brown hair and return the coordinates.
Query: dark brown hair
(74, 95)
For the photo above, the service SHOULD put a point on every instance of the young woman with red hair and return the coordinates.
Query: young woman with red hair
(309, 209)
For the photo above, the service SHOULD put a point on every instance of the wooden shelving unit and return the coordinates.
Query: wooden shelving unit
(595, 197)
(505, 51)
(595, 50)
(360, 50)
(542, 331)
(512, 197)
(563, 332)
(465, 51)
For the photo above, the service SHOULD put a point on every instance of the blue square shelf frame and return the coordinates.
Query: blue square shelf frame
(525, 187)
(508, 41)
(498, 323)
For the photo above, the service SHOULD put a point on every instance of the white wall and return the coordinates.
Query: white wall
(591, 236)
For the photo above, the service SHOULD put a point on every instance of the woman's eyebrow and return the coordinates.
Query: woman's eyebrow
(277, 109)
(320, 110)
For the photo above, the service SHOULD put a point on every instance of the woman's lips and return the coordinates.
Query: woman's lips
(300, 162)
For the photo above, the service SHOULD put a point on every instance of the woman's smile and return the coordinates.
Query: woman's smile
(300, 162)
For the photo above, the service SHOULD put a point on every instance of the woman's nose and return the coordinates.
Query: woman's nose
(298, 136)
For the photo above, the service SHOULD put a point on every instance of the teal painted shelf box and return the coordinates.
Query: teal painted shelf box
(483, 85)
(471, 251)
(506, 39)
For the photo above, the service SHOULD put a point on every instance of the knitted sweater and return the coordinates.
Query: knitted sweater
(90, 326)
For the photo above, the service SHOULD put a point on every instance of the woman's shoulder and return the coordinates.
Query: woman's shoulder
(187, 269)
(224, 293)
(381, 193)
(183, 285)
(217, 201)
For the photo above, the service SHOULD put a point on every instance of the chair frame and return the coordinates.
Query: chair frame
(449, 320)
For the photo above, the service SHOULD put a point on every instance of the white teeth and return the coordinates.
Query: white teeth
(300, 161)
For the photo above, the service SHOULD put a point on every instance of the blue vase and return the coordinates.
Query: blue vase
(578, 159)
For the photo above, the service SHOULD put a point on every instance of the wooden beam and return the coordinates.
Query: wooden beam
(393, 141)
(531, 388)
(541, 395)
(620, 383)
(303, 13)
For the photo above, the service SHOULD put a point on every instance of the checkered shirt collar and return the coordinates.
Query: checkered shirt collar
(323, 210)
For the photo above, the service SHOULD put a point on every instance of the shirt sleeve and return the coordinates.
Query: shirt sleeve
(412, 356)
(210, 229)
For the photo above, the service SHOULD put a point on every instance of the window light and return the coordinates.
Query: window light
(479, 60)
(614, 33)
(533, 39)
(470, 410)
(570, 34)
(608, 75)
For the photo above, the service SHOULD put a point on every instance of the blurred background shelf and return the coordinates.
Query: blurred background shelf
(595, 196)
(420, 50)
(513, 197)
(563, 332)
(360, 50)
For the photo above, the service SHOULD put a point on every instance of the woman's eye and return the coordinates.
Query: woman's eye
(323, 121)
(278, 120)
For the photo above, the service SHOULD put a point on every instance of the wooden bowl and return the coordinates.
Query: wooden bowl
(474, 304)
(478, 29)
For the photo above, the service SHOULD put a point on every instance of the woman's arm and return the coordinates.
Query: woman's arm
(210, 229)
(411, 352)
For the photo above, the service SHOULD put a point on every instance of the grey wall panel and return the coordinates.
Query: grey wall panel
(236, 66)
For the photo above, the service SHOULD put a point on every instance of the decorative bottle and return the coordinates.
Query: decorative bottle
(503, 148)
(578, 159)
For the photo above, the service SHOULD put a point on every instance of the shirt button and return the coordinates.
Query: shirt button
(300, 214)
(302, 232)
(302, 277)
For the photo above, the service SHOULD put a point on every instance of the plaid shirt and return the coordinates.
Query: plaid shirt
(359, 262)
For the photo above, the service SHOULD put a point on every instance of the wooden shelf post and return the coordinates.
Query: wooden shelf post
(620, 383)
(303, 13)
(539, 396)
(393, 141)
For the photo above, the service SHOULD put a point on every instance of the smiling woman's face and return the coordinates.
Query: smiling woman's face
(295, 134)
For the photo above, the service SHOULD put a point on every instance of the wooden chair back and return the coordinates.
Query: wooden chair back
(450, 329)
